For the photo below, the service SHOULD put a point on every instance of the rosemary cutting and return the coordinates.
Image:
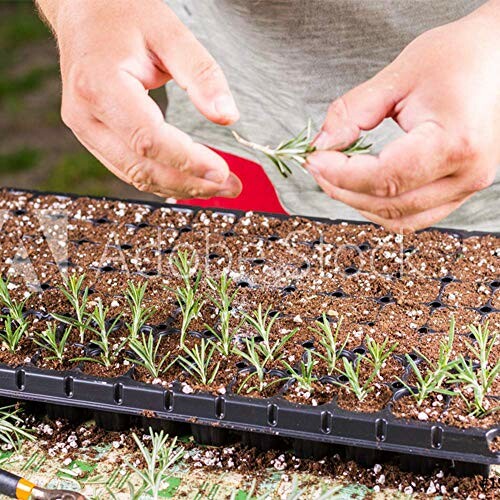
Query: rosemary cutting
(294, 151)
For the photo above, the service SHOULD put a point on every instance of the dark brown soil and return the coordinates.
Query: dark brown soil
(403, 290)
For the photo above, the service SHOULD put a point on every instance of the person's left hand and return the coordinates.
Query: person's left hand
(444, 91)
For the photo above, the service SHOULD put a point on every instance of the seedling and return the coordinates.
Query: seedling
(252, 355)
(16, 308)
(198, 362)
(304, 377)
(436, 375)
(329, 342)
(478, 379)
(158, 461)
(78, 297)
(108, 351)
(51, 340)
(187, 296)
(12, 332)
(263, 323)
(222, 299)
(294, 152)
(140, 313)
(146, 349)
(12, 430)
(378, 354)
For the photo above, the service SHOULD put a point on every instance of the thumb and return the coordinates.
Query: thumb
(362, 108)
(196, 71)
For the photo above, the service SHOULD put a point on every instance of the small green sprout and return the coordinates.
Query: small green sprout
(146, 349)
(198, 362)
(158, 461)
(222, 299)
(78, 297)
(109, 352)
(478, 379)
(12, 429)
(328, 340)
(51, 340)
(12, 332)
(16, 308)
(436, 374)
(304, 376)
(190, 303)
(263, 323)
(140, 314)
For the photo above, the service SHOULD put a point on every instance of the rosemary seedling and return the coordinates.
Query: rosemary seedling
(12, 430)
(222, 299)
(140, 313)
(108, 351)
(378, 354)
(78, 297)
(198, 361)
(190, 303)
(146, 349)
(254, 356)
(478, 379)
(158, 461)
(432, 379)
(16, 308)
(12, 332)
(294, 152)
(304, 376)
(263, 323)
(328, 340)
(51, 340)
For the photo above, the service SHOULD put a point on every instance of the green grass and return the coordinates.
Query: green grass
(22, 159)
(20, 26)
(27, 82)
(78, 173)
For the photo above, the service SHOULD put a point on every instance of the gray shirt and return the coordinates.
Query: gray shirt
(286, 60)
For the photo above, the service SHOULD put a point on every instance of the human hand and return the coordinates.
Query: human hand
(444, 91)
(112, 53)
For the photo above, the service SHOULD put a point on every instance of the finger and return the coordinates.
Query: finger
(148, 175)
(194, 70)
(412, 223)
(414, 160)
(121, 102)
(362, 108)
(430, 196)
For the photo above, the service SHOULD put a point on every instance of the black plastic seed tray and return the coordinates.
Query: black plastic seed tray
(312, 431)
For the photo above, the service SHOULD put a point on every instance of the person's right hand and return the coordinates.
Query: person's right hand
(114, 51)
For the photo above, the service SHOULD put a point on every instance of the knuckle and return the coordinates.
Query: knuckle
(142, 142)
(206, 70)
(467, 148)
(83, 84)
(338, 108)
(390, 211)
(388, 187)
(137, 175)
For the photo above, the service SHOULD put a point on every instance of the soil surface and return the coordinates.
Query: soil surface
(357, 286)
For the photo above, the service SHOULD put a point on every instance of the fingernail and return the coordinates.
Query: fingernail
(214, 176)
(226, 107)
(322, 141)
(225, 193)
(312, 165)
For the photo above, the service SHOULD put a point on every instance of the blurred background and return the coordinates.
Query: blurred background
(37, 150)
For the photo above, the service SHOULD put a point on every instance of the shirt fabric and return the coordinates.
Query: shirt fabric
(286, 60)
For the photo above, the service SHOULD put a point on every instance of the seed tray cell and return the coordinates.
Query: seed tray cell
(344, 286)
